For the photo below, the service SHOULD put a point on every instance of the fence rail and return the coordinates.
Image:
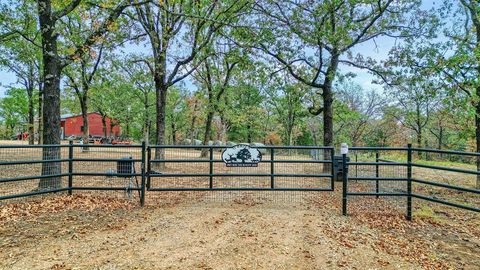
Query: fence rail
(409, 180)
(65, 171)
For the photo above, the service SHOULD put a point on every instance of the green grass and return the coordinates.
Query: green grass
(428, 213)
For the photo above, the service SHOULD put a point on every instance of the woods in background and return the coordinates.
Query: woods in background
(273, 72)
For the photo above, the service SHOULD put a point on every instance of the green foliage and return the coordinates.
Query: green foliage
(260, 69)
(244, 114)
(287, 100)
(177, 121)
(14, 110)
(355, 112)
(113, 97)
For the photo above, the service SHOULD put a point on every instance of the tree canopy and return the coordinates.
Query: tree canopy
(274, 72)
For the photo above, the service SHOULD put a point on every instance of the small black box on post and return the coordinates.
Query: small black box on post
(338, 167)
(125, 166)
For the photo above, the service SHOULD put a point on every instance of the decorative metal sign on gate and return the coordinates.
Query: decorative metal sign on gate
(241, 155)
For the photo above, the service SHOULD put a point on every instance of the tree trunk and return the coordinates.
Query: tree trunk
(477, 135)
(289, 135)
(112, 125)
(194, 119)
(328, 102)
(477, 105)
(104, 125)
(328, 107)
(31, 117)
(440, 138)
(150, 130)
(328, 116)
(146, 134)
(84, 108)
(419, 130)
(161, 101)
(290, 124)
(476, 21)
(419, 137)
(146, 131)
(208, 131)
(40, 116)
(51, 113)
(174, 133)
(146, 124)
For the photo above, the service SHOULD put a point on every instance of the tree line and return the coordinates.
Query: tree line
(276, 72)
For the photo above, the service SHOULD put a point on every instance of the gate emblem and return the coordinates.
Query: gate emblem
(241, 155)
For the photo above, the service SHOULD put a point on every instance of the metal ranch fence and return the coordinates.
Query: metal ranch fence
(28, 170)
(405, 183)
(283, 168)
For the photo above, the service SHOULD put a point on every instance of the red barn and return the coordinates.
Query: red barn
(73, 125)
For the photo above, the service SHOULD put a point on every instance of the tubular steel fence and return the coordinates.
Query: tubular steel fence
(27, 170)
(21, 169)
(282, 168)
(397, 172)
(403, 180)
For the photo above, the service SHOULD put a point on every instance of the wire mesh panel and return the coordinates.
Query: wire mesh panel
(377, 180)
(32, 170)
(183, 168)
(113, 168)
(178, 168)
(377, 170)
(303, 168)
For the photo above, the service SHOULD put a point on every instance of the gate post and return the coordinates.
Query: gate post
(345, 185)
(332, 159)
(211, 168)
(142, 193)
(70, 167)
(377, 173)
(149, 169)
(272, 170)
(409, 181)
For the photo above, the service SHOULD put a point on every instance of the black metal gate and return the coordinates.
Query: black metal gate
(400, 172)
(197, 168)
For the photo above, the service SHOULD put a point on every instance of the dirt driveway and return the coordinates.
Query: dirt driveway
(239, 232)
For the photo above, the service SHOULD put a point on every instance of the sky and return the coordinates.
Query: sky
(363, 78)
(377, 50)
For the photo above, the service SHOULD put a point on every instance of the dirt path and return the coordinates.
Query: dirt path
(82, 233)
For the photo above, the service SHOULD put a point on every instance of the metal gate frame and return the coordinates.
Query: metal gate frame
(211, 174)
(410, 180)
